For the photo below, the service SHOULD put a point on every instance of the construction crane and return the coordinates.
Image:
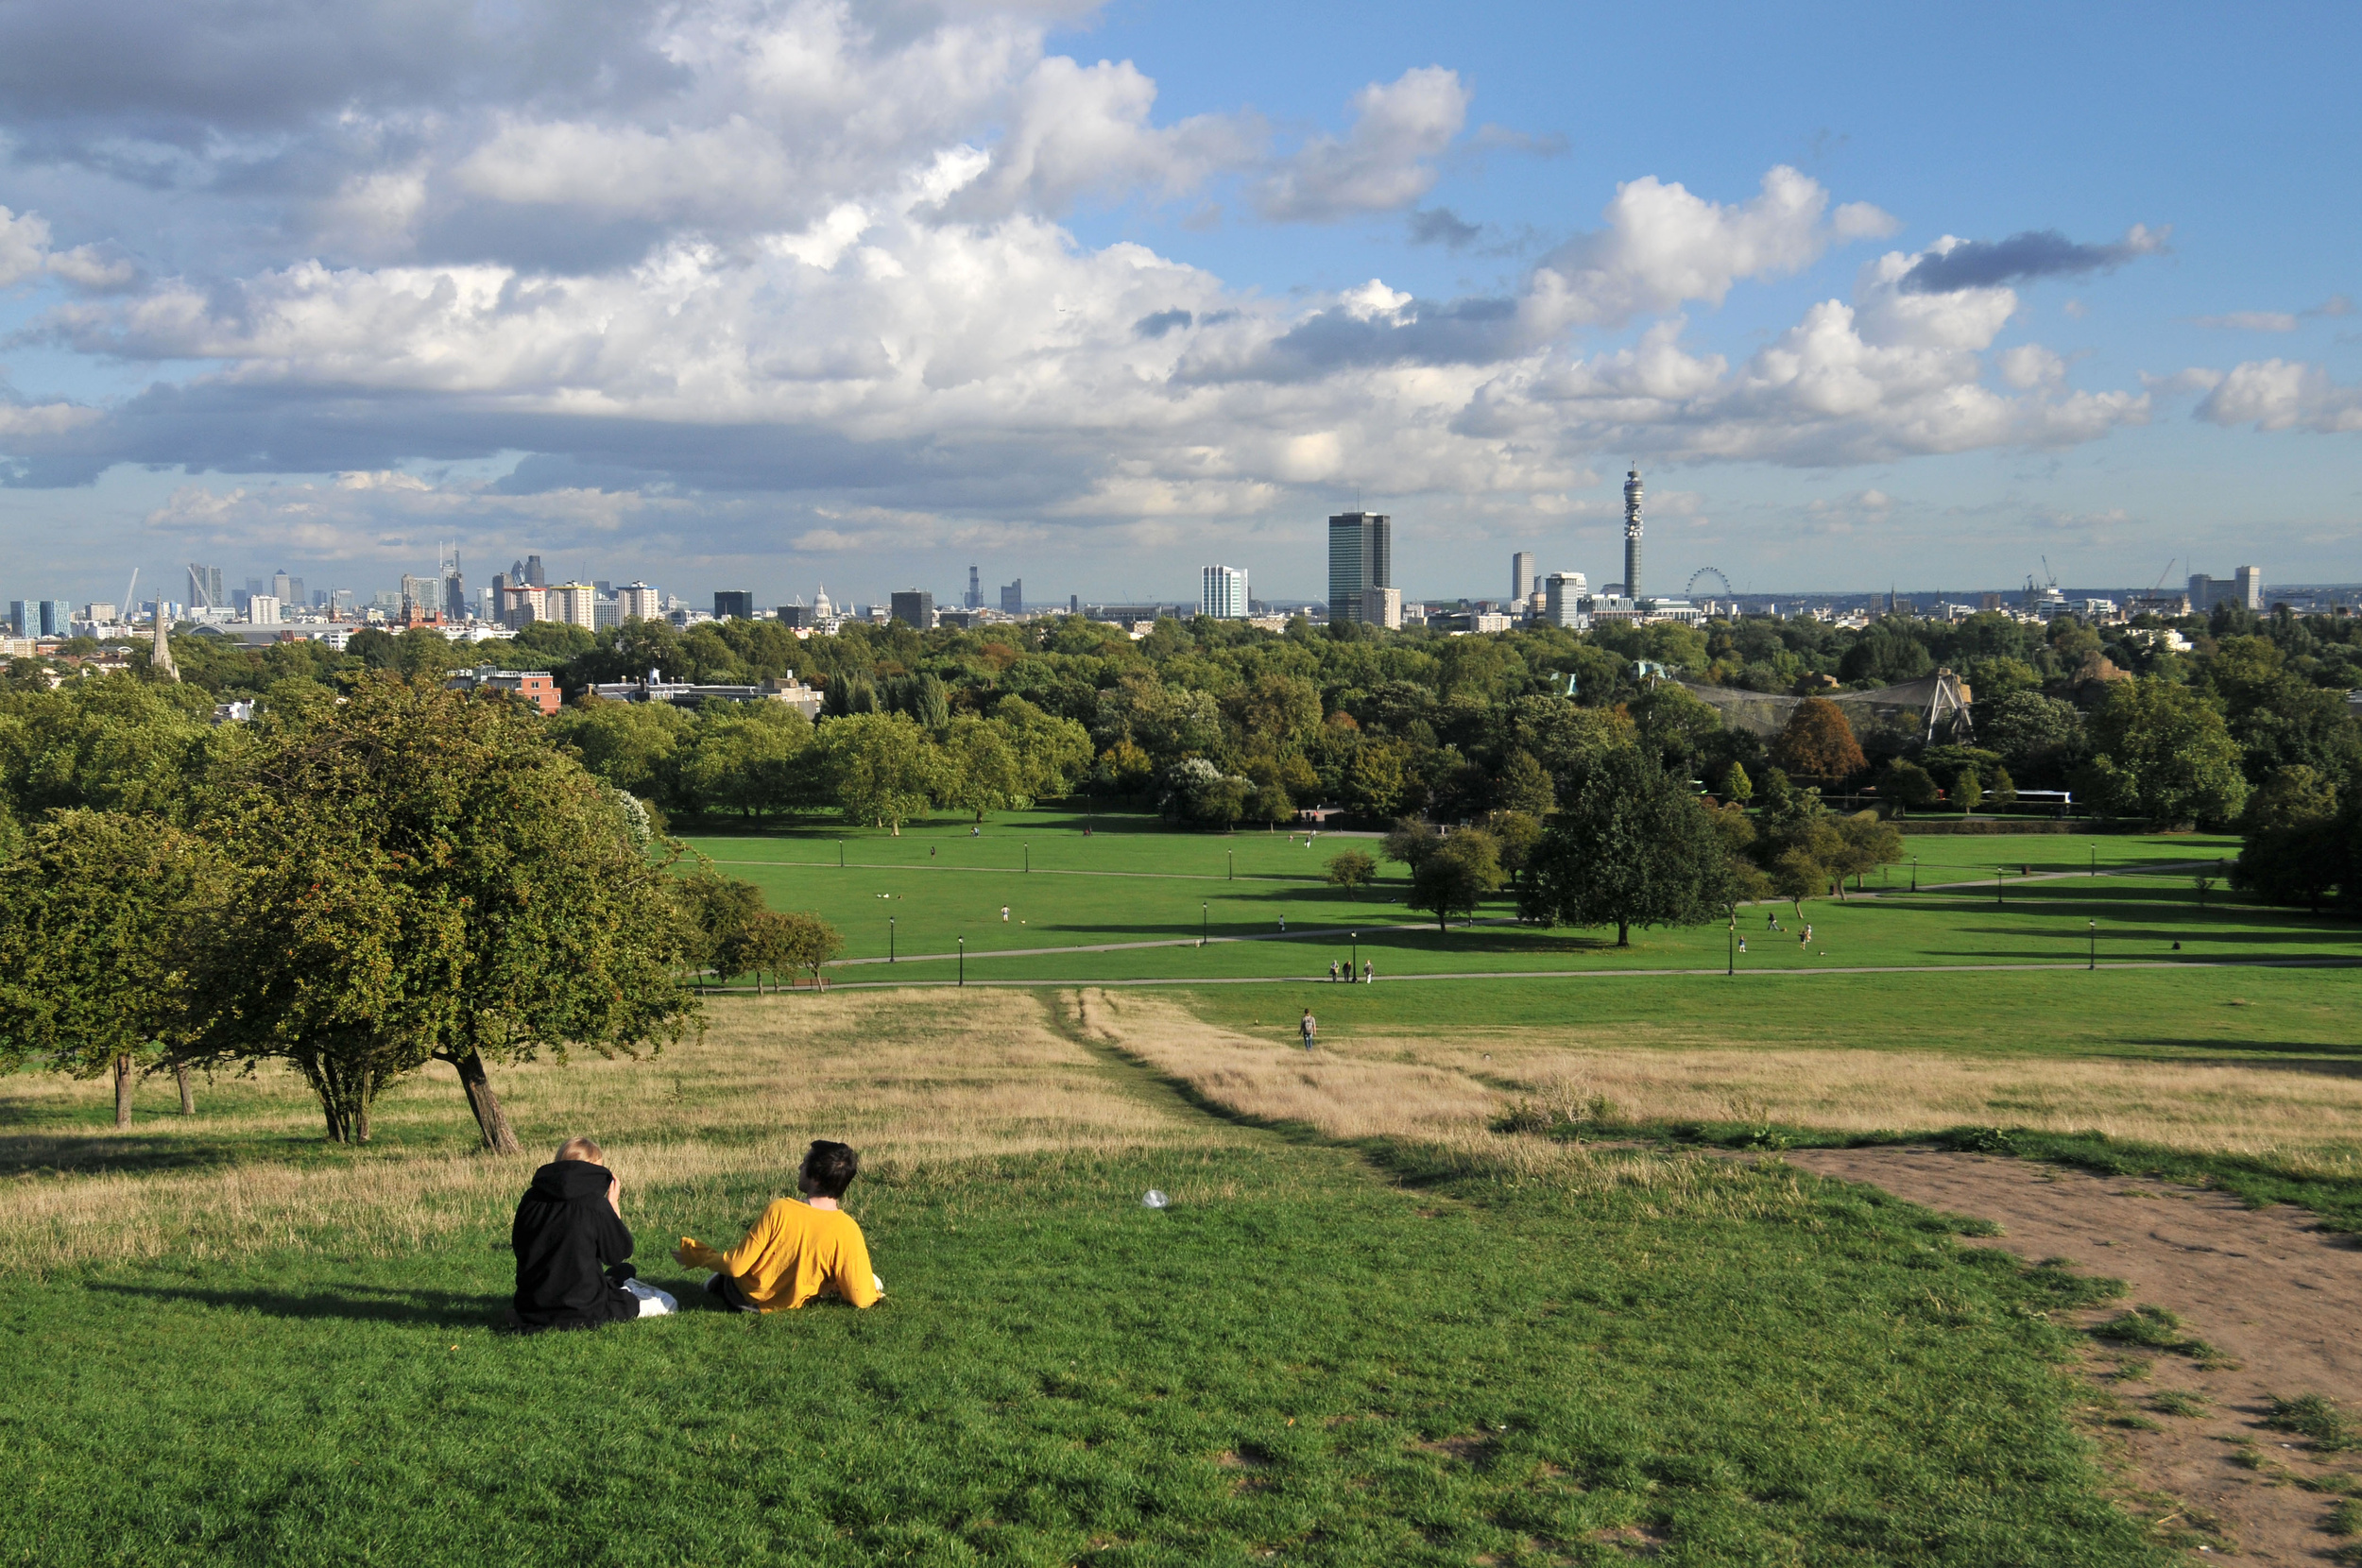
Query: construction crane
(129, 588)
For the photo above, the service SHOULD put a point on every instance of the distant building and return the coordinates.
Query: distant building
(1383, 605)
(913, 608)
(1521, 578)
(531, 685)
(656, 689)
(2248, 587)
(2245, 589)
(1223, 594)
(287, 591)
(964, 620)
(205, 590)
(638, 601)
(262, 609)
(575, 604)
(732, 605)
(1563, 597)
(1012, 597)
(795, 617)
(1361, 560)
(1074, 603)
(975, 599)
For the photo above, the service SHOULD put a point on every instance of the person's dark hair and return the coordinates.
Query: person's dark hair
(829, 1168)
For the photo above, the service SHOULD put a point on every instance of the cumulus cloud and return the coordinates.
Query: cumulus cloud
(1442, 226)
(2278, 394)
(1954, 264)
(1383, 163)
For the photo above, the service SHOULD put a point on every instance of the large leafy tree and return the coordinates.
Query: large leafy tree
(425, 876)
(94, 953)
(1634, 847)
(1454, 877)
(2160, 752)
(882, 768)
(1818, 744)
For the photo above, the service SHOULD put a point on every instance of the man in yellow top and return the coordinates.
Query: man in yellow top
(796, 1251)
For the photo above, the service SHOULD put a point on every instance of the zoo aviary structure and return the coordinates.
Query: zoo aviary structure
(1936, 705)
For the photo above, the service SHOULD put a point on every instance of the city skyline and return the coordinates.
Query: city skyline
(1101, 287)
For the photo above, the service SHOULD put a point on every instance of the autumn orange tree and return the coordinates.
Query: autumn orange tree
(1818, 744)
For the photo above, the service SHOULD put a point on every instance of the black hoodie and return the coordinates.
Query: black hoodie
(565, 1233)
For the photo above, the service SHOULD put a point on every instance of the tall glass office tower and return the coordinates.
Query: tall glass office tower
(1361, 559)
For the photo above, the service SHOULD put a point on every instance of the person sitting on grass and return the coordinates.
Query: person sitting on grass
(573, 1248)
(797, 1251)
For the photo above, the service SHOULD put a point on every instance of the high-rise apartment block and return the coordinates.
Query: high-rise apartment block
(1632, 534)
(1521, 577)
(1012, 597)
(1223, 595)
(730, 604)
(262, 609)
(915, 609)
(2248, 587)
(575, 604)
(639, 602)
(1361, 560)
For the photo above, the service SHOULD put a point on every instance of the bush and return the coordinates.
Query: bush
(1352, 869)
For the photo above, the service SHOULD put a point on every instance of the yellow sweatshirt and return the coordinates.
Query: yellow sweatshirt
(794, 1254)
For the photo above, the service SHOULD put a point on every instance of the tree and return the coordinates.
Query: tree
(1409, 842)
(1453, 878)
(759, 943)
(1634, 849)
(1737, 786)
(1968, 791)
(1199, 795)
(1517, 833)
(2160, 752)
(882, 768)
(1524, 786)
(1862, 841)
(1351, 868)
(811, 944)
(713, 909)
(1376, 778)
(94, 972)
(1818, 744)
(982, 770)
(1906, 784)
(423, 876)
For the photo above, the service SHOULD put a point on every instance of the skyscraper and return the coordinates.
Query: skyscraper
(205, 590)
(915, 609)
(1012, 597)
(1521, 575)
(733, 604)
(1360, 558)
(1632, 534)
(2248, 587)
(1223, 595)
(533, 572)
(975, 600)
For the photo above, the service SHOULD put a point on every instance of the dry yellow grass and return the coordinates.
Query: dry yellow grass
(916, 1081)
(1455, 1083)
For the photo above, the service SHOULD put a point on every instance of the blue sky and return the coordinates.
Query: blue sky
(772, 294)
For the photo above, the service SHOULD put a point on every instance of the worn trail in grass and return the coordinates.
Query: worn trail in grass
(1477, 1347)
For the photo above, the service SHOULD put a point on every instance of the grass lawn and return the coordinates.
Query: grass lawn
(230, 1345)
(1130, 901)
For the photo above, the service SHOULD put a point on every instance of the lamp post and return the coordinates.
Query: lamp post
(1998, 872)
(963, 961)
(1232, 856)
(1357, 956)
(1204, 925)
(1730, 947)
(1914, 874)
(840, 854)
(1029, 857)
(2095, 856)
(889, 938)
(2095, 958)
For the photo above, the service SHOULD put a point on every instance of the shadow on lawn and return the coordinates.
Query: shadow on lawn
(359, 1303)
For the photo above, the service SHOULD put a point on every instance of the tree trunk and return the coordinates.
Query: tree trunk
(1623, 934)
(188, 1095)
(490, 1120)
(123, 1090)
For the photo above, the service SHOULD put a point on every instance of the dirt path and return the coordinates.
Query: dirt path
(2278, 1297)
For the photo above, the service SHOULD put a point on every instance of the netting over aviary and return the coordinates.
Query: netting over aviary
(1937, 707)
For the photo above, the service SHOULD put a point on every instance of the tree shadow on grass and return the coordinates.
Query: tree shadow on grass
(357, 1303)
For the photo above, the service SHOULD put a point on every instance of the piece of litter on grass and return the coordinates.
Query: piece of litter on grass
(1154, 1200)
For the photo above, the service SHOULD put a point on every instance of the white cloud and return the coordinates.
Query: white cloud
(2250, 321)
(1664, 247)
(23, 246)
(2277, 394)
(2029, 365)
(1383, 163)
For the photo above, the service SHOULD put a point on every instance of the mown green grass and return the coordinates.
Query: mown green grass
(1304, 1356)
(1131, 884)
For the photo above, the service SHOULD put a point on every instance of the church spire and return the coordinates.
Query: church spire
(159, 659)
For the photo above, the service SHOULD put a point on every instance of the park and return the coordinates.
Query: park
(1527, 1263)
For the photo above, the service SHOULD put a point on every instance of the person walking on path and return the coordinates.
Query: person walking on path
(1743, 943)
(1369, 976)
(1311, 1031)
(1283, 924)
(1332, 971)
(1004, 914)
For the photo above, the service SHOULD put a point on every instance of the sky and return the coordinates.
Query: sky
(721, 294)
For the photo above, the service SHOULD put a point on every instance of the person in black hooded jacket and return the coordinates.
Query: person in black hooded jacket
(573, 1249)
